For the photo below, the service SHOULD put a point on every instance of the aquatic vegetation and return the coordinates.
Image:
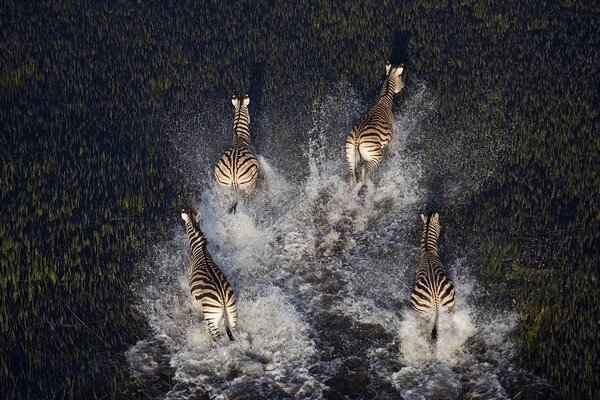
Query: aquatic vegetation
(88, 94)
(14, 79)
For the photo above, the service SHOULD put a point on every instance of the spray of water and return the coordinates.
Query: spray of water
(323, 276)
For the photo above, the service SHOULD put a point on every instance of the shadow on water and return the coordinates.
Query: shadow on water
(435, 198)
(256, 92)
(400, 53)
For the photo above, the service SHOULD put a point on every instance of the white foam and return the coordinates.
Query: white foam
(271, 342)
(302, 236)
(462, 353)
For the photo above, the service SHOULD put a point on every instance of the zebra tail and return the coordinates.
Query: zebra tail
(236, 192)
(434, 331)
(227, 328)
(356, 155)
(229, 333)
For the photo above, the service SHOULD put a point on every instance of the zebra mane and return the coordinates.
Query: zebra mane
(429, 232)
(241, 119)
(387, 88)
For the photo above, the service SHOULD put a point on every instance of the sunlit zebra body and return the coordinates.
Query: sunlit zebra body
(433, 291)
(207, 282)
(238, 167)
(369, 138)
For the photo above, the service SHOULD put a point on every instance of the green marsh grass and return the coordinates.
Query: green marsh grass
(87, 93)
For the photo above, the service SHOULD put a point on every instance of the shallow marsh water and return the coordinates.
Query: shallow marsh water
(108, 118)
(323, 275)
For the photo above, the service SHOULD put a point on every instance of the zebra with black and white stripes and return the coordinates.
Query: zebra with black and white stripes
(238, 167)
(433, 291)
(369, 138)
(207, 282)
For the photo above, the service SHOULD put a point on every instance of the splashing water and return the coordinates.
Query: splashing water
(323, 276)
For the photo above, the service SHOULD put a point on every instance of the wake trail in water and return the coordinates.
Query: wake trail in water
(322, 276)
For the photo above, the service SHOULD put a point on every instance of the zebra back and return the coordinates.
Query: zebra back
(238, 167)
(207, 283)
(433, 289)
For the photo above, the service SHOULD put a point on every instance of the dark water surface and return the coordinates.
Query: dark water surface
(112, 117)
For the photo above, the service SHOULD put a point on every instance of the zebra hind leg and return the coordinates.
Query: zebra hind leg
(369, 166)
(352, 173)
(352, 157)
(214, 331)
(213, 321)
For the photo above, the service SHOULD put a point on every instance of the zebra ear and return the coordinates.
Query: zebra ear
(235, 101)
(400, 70)
(436, 218)
(197, 217)
(388, 66)
(185, 216)
(246, 100)
(423, 218)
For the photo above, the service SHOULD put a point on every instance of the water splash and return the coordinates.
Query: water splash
(323, 276)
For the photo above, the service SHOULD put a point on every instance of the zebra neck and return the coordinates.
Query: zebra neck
(198, 244)
(429, 244)
(387, 91)
(197, 240)
(386, 98)
(241, 125)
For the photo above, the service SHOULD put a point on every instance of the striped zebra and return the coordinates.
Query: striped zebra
(207, 282)
(433, 289)
(238, 167)
(373, 133)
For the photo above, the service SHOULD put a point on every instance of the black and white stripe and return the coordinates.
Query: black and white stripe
(238, 167)
(207, 282)
(373, 133)
(433, 289)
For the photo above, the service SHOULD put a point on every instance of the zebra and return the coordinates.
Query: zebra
(373, 133)
(207, 282)
(433, 289)
(238, 167)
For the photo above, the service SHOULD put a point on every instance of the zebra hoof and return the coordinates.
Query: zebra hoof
(362, 190)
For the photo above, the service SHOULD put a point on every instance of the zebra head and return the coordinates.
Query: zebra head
(237, 104)
(394, 77)
(191, 216)
(431, 226)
